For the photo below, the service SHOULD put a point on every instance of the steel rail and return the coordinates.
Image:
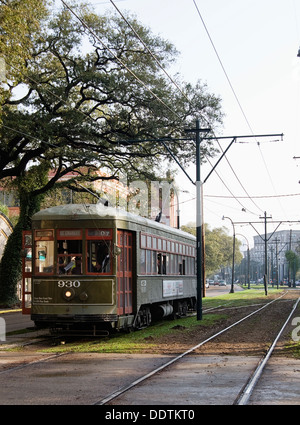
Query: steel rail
(122, 390)
(42, 360)
(248, 390)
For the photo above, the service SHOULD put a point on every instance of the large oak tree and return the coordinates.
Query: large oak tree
(82, 92)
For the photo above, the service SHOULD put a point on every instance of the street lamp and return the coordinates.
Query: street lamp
(233, 253)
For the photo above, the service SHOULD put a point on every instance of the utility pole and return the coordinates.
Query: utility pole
(199, 184)
(276, 240)
(266, 239)
(199, 201)
(248, 268)
(233, 256)
(289, 266)
(266, 254)
(199, 219)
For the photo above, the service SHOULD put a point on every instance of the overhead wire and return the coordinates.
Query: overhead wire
(149, 51)
(270, 178)
(132, 73)
(233, 91)
(86, 115)
(119, 60)
(257, 197)
(222, 66)
(172, 80)
(248, 196)
(181, 91)
(243, 207)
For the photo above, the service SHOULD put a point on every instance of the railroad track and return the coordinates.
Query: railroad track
(249, 387)
(130, 391)
(243, 397)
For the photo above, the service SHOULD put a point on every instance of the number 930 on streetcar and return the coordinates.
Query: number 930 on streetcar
(101, 268)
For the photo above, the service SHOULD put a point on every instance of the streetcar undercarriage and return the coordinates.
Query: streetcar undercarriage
(107, 323)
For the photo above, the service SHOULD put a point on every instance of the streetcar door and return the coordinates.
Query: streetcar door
(26, 271)
(124, 273)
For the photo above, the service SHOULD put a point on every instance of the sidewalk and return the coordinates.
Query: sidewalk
(10, 310)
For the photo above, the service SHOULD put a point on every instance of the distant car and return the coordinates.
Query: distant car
(222, 283)
(216, 282)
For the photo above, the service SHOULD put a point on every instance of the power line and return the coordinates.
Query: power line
(255, 197)
(149, 51)
(248, 196)
(177, 86)
(119, 60)
(29, 136)
(233, 196)
(86, 115)
(284, 213)
(233, 91)
(222, 66)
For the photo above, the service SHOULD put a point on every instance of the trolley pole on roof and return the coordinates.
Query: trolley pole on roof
(199, 219)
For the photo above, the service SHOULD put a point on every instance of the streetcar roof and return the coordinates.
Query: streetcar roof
(99, 211)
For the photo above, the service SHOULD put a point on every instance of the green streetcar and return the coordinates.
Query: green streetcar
(101, 268)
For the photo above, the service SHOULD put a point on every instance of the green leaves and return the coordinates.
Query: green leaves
(218, 248)
(89, 87)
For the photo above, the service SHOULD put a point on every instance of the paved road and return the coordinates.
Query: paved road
(16, 321)
(214, 291)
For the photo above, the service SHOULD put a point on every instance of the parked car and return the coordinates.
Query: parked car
(222, 283)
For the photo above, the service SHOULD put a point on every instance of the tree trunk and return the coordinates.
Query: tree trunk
(11, 262)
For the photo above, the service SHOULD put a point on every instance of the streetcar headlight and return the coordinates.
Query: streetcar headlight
(69, 294)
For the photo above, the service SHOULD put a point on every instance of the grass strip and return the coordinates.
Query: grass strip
(150, 337)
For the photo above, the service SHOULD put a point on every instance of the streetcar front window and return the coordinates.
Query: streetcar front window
(69, 251)
(44, 251)
(99, 249)
(98, 253)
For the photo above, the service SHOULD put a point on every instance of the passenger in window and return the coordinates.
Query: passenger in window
(102, 264)
(77, 268)
(105, 267)
(159, 264)
(61, 261)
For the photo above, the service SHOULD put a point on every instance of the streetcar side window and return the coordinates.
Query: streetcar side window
(143, 261)
(160, 256)
(44, 251)
(99, 251)
(161, 264)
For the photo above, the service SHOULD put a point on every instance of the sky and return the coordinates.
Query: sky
(257, 76)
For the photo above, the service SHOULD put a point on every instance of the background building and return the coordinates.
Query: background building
(278, 243)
